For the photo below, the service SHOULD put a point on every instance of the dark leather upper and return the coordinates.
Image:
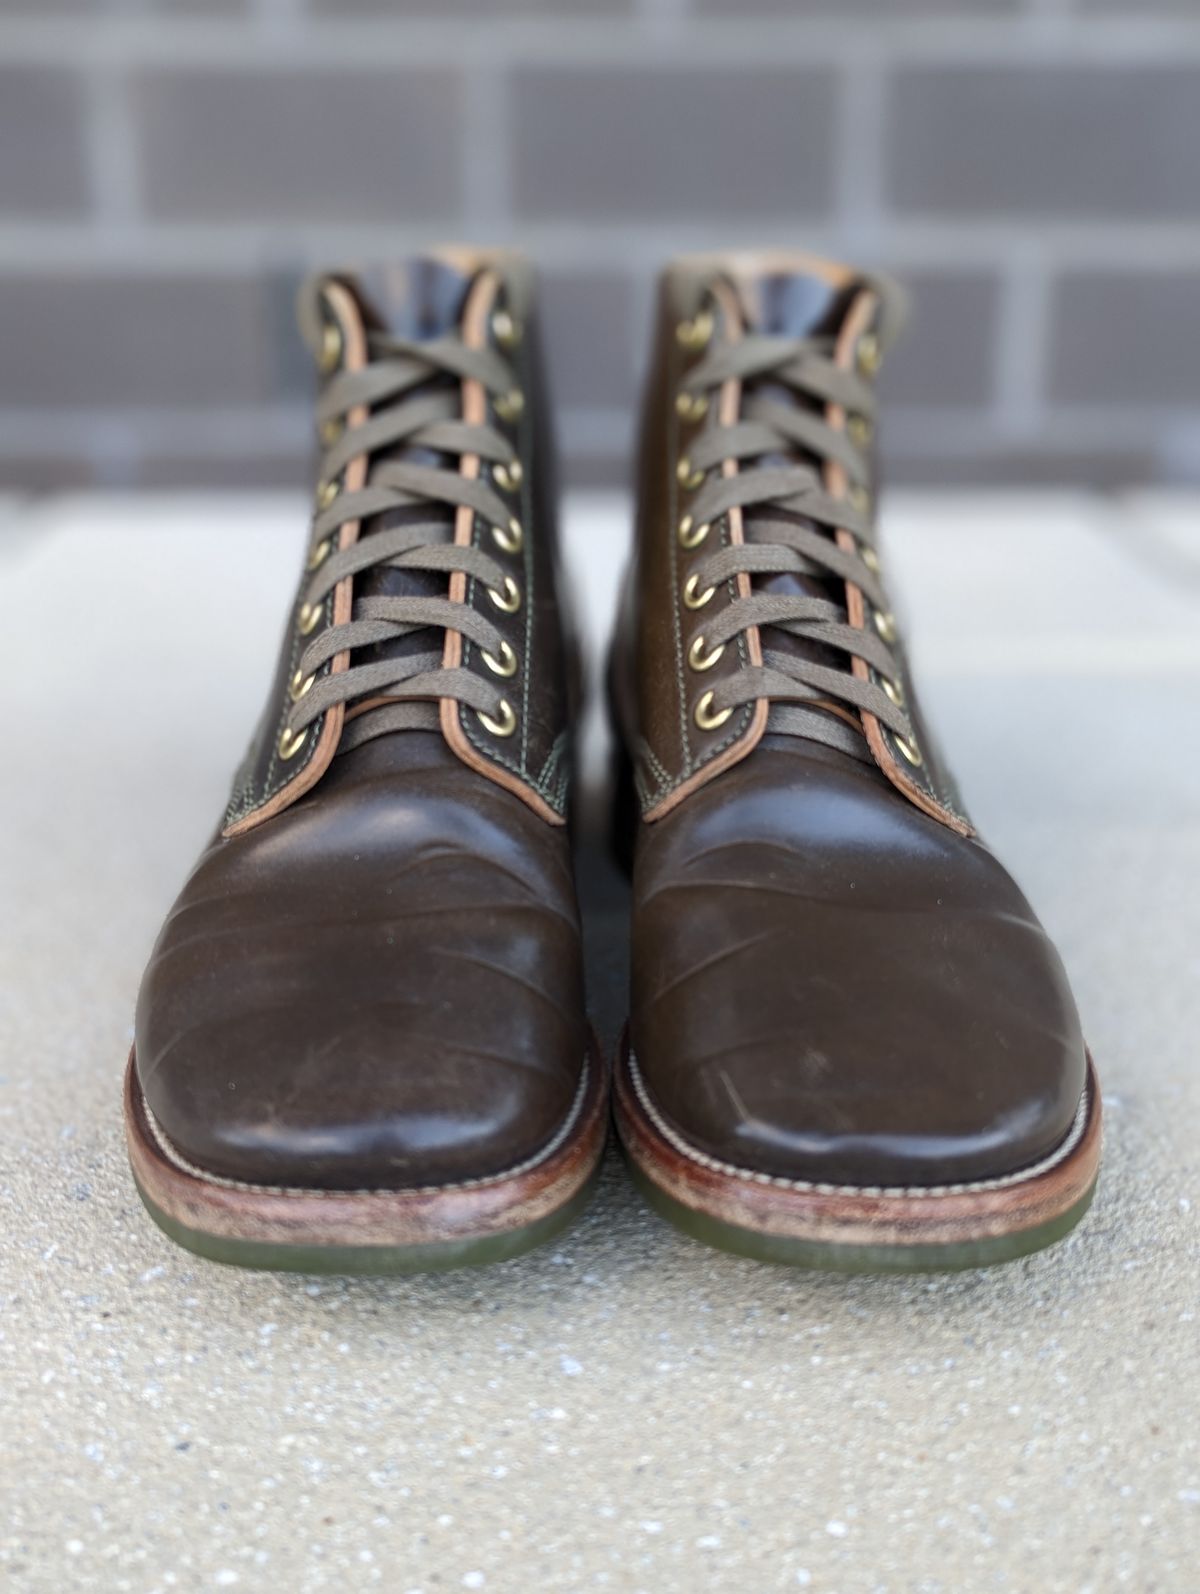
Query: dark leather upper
(423, 298)
(669, 751)
(830, 983)
(381, 986)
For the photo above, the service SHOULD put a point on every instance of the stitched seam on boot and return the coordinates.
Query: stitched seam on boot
(743, 718)
(1059, 1154)
(554, 793)
(685, 749)
(251, 796)
(176, 1157)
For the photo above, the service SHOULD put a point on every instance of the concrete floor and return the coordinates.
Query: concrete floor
(628, 1410)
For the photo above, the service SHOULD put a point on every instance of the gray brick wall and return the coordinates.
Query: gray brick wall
(169, 168)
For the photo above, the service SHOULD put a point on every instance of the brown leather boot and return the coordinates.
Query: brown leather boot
(852, 1044)
(360, 1041)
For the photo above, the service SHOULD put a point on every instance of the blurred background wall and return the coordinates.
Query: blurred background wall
(169, 168)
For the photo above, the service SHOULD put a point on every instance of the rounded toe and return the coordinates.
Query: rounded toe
(381, 997)
(831, 987)
(337, 1100)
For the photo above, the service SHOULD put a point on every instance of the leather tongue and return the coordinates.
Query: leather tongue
(416, 300)
(420, 298)
(801, 303)
(796, 304)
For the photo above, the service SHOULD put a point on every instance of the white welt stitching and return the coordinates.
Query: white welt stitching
(173, 1155)
(1074, 1135)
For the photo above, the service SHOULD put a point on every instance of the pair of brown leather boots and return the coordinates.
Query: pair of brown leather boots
(361, 1041)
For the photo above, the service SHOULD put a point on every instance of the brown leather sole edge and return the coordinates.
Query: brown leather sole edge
(848, 1227)
(369, 1230)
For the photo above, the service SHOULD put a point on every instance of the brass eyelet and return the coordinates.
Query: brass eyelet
(690, 535)
(686, 476)
(691, 407)
(868, 354)
(508, 477)
(510, 538)
(508, 598)
(893, 690)
(505, 330)
(870, 558)
(505, 665)
(320, 553)
(331, 347)
(705, 716)
(694, 335)
(505, 725)
(885, 624)
(910, 751)
(510, 405)
(300, 683)
(331, 431)
(698, 659)
(859, 498)
(326, 493)
(290, 741)
(692, 597)
(860, 429)
(310, 614)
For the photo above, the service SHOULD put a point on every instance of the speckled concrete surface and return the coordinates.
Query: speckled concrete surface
(626, 1411)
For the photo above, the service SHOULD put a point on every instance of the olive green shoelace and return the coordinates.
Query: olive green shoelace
(410, 407)
(789, 521)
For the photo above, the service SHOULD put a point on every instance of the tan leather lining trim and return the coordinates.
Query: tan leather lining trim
(474, 405)
(856, 322)
(838, 710)
(469, 260)
(746, 265)
(366, 704)
(729, 404)
(354, 341)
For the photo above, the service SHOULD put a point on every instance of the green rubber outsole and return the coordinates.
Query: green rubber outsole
(371, 1260)
(832, 1258)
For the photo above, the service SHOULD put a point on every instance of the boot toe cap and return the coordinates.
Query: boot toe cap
(836, 989)
(385, 1001)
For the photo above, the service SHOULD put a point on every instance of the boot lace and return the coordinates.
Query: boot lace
(782, 441)
(410, 393)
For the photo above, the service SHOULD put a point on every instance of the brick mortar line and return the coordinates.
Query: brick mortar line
(629, 247)
(112, 149)
(912, 429)
(278, 14)
(858, 140)
(239, 431)
(664, 17)
(582, 432)
(486, 152)
(236, 431)
(333, 44)
(1020, 341)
